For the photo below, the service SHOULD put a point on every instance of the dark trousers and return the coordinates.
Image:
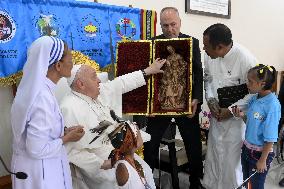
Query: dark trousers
(190, 133)
(249, 159)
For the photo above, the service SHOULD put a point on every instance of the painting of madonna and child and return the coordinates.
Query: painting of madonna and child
(168, 93)
(171, 91)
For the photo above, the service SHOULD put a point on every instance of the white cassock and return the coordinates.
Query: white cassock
(223, 163)
(88, 158)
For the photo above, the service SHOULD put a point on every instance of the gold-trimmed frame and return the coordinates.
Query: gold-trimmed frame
(189, 42)
(147, 112)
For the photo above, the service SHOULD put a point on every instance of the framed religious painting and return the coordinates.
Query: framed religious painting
(132, 56)
(171, 91)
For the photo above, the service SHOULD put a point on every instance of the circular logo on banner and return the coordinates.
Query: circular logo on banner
(47, 25)
(125, 28)
(89, 28)
(7, 27)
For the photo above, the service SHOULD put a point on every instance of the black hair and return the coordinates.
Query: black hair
(266, 74)
(218, 34)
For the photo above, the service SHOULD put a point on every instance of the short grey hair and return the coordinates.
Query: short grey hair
(169, 8)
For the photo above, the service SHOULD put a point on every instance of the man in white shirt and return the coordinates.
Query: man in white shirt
(226, 65)
(89, 103)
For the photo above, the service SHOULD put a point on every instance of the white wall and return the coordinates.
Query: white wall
(5, 128)
(257, 24)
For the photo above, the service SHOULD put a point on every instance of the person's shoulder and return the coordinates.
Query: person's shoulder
(182, 35)
(242, 50)
(44, 98)
(245, 55)
(122, 174)
(69, 100)
(273, 98)
(271, 103)
(158, 37)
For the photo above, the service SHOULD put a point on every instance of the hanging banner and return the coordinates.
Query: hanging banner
(92, 28)
(47, 18)
(148, 23)
(90, 31)
(124, 24)
(12, 40)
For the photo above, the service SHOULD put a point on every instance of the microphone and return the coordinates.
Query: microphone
(19, 175)
(115, 117)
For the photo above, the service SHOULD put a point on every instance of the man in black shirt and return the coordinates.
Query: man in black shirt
(188, 124)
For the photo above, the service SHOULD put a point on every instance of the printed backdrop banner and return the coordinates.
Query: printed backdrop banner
(47, 18)
(92, 28)
(124, 24)
(12, 38)
(90, 31)
(148, 23)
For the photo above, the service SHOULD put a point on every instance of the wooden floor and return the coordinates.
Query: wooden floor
(5, 182)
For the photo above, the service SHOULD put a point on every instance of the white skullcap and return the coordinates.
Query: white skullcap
(74, 72)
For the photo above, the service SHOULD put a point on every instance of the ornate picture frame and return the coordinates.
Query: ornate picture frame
(172, 91)
(132, 56)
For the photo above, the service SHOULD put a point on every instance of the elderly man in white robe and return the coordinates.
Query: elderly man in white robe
(89, 103)
(226, 65)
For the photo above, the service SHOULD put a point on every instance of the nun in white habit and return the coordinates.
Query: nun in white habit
(37, 124)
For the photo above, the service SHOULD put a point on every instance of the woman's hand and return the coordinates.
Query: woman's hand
(73, 134)
(155, 67)
(68, 129)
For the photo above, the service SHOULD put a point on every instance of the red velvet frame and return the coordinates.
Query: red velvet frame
(133, 56)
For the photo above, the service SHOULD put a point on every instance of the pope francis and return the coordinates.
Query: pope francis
(89, 103)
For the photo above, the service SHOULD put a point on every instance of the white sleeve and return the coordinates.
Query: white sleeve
(85, 160)
(249, 61)
(39, 143)
(129, 82)
(207, 80)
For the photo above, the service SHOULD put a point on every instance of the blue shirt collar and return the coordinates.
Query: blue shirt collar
(265, 98)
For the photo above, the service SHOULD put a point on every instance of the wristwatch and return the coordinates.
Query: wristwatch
(144, 74)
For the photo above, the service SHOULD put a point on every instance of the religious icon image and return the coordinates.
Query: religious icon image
(167, 93)
(171, 92)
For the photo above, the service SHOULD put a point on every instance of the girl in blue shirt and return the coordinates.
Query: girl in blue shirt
(262, 119)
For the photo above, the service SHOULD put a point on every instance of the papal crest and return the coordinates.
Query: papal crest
(47, 25)
(125, 28)
(7, 27)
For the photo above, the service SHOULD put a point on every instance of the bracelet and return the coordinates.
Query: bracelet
(144, 74)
